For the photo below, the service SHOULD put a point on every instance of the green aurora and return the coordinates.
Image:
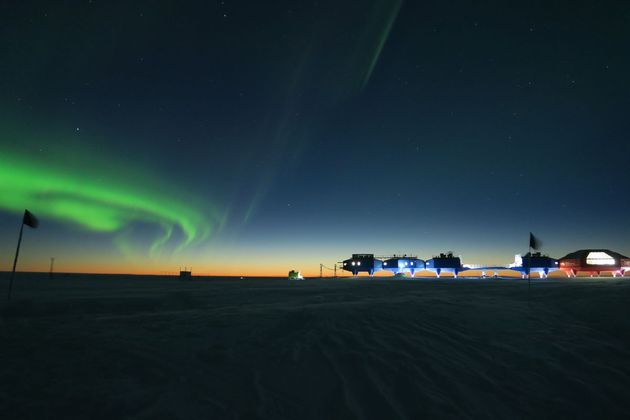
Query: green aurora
(389, 10)
(352, 70)
(72, 182)
(96, 203)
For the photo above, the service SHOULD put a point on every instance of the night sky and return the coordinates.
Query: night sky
(253, 137)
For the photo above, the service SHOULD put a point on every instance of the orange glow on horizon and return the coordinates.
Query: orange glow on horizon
(269, 271)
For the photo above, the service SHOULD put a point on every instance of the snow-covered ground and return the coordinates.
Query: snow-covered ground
(150, 347)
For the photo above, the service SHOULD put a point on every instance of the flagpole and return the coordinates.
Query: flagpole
(17, 253)
(529, 268)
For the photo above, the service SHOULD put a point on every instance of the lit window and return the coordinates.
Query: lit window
(599, 258)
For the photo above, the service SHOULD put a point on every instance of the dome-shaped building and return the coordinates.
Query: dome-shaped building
(594, 261)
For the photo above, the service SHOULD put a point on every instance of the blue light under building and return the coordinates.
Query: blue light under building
(534, 263)
(404, 264)
(589, 261)
(445, 263)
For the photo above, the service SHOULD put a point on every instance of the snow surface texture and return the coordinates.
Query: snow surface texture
(150, 347)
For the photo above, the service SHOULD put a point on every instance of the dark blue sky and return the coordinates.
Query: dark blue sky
(304, 131)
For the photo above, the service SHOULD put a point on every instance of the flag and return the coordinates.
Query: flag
(534, 242)
(30, 219)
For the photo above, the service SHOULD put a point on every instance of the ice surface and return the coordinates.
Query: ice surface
(150, 347)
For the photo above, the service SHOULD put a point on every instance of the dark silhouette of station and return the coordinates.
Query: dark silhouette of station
(593, 261)
(362, 263)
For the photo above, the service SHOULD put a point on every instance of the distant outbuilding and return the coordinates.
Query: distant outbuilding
(295, 275)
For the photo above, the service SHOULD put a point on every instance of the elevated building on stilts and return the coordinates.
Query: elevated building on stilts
(594, 262)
